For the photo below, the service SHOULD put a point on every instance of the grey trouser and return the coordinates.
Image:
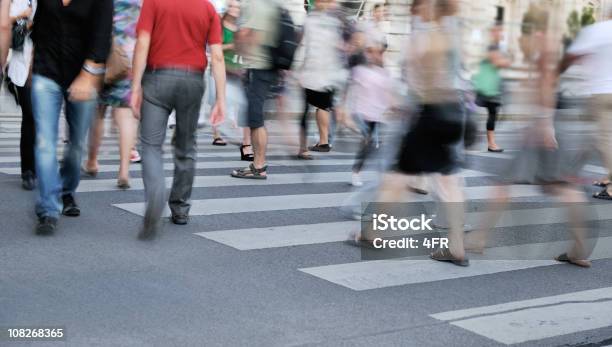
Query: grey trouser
(164, 91)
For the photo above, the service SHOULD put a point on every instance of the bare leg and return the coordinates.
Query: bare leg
(450, 191)
(96, 133)
(128, 129)
(259, 136)
(575, 199)
(476, 241)
(323, 124)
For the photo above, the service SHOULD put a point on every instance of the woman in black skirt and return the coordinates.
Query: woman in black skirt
(431, 144)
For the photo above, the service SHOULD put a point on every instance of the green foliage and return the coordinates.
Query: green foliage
(576, 21)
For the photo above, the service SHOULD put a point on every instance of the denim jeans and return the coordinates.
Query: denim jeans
(53, 182)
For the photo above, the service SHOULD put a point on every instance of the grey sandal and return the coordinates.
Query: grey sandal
(251, 172)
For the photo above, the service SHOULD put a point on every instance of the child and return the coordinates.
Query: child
(371, 90)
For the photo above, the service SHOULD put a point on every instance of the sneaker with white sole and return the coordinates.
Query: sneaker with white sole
(356, 180)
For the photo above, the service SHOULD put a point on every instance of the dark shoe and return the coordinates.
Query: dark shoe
(497, 150)
(46, 226)
(150, 229)
(180, 219)
(320, 148)
(71, 209)
(246, 156)
(28, 181)
(219, 142)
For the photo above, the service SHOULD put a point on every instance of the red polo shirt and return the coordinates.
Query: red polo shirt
(180, 31)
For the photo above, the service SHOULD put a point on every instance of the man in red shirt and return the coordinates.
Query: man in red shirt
(169, 64)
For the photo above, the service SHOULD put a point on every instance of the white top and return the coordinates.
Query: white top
(19, 65)
(372, 90)
(595, 43)
(322, 68)
(296, 10)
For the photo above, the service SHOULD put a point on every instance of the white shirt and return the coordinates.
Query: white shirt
(19, 65)
(595, 43)
(322, 68)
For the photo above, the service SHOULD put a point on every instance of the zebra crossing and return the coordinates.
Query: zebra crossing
(505, 323)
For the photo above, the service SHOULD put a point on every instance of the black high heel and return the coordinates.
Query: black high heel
(246, 157)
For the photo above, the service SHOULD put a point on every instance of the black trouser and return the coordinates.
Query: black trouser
(28, 131)
(368, 145)
(493, 109)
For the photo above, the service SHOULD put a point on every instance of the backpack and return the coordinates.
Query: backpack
(283, 52)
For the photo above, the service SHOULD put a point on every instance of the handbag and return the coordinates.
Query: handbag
(117, 65)
(19, 32)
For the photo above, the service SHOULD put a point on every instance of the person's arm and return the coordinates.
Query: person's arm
(84, 87)
(139, 64)
(5, 31)
(499, 60)
(217, 61)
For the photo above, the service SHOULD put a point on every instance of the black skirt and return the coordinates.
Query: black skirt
(432, 142)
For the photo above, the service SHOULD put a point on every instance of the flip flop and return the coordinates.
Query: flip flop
(565, 259)
(305, 156)
(444, 254)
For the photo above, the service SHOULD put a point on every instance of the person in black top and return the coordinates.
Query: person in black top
(72, 40)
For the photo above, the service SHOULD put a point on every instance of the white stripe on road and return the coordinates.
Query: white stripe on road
(284, 236)
(224, 164)
(536, 319)
(15, 159)
(291, 202)
(87, 186)
(367, 275)
(251, 204)
(307, 234)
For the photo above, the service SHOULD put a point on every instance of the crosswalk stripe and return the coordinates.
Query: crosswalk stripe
(304, 201)
(284, 236)
(306, 234)
(367, 275)
(224, 164)
(88, 186)
(536, 319)
(242, 205)
(16, 159)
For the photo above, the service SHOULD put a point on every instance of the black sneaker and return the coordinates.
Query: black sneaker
(71, 209)
(46, 225)
(28, 180)
(180, 219)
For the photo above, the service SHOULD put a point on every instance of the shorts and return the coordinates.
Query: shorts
(321, 100)
(258, 86)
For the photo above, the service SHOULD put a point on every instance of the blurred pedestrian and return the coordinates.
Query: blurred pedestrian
(116, 94)
(540, 160)
(83, 28)
(371, 87)
(593, 49)
(321, 73)
(256, 36)
(19, 74)
(430, 145)
(488, 84)
(170, 52)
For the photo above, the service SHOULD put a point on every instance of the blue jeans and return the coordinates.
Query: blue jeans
(53, 182)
